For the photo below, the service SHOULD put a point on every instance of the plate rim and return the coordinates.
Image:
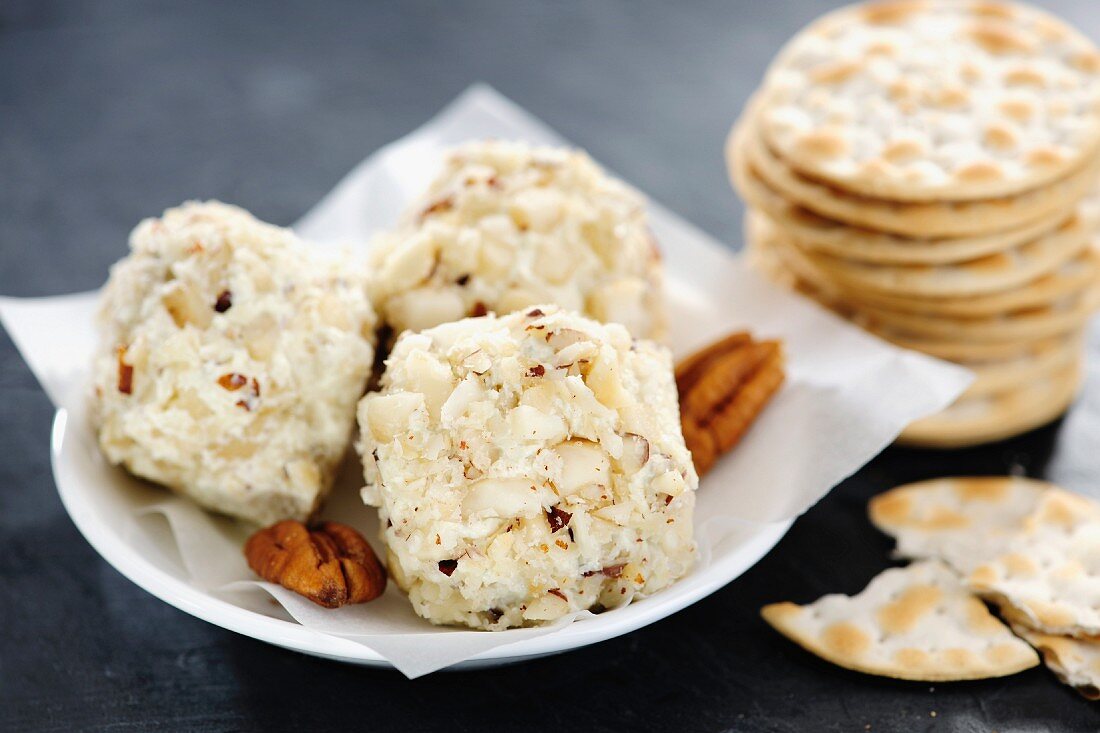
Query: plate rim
(291, 635)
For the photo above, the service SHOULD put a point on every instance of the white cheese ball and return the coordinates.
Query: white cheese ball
(231, 362)
(527, 467)
(506, 226)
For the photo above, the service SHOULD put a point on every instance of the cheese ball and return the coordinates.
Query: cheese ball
(231, 362)
(506, 226)
(527, 467)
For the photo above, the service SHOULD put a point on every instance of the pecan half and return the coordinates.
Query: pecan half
(723, 389)
(331, 565)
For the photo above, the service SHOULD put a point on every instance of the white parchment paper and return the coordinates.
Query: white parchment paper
(847, 396)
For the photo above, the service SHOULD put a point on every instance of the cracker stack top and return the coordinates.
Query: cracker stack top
(934, 100)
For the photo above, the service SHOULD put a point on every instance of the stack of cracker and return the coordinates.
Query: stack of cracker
(927, 169)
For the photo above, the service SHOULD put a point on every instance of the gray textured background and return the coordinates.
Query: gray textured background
(112, 111)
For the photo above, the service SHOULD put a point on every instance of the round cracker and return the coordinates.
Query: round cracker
(935, 100)
(912, 623)
(932, 219)
(963, 521)
(867, 245)
(1051, 356)
(1067, 282)
(962, 351)
(1034, 324)
(989, 274)
(997, 416)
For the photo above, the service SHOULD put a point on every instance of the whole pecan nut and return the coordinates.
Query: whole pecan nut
(723, 389)
(331, 565)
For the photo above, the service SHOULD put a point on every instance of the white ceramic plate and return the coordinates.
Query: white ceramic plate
(97, 495)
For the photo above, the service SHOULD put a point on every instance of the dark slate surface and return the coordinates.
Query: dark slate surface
(112, 111)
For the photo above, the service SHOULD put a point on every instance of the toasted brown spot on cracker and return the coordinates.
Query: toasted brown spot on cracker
(890, 12)
(992, 10)
(1051, 615)
(1000, 137)
(1045, 156)
(948, 97)
(1086, 61)
(980, 621)
(998, 39)
(1025, 76)
(1059, 509)
(981, 489)
(1019, 565)
(825, 143)
(844, 638)
(891, 508)
(834, 72)
(958, 657)
(983, 575)
(978, 171)
(912, 658)
(899, 90)
(904, 613)
(1017, 109)
(900, 151)
(1001, 653)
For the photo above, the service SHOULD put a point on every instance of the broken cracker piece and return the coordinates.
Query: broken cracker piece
(1048, 576)
(914, 623)
(964, 521)
(1076, 662)
(723, 388)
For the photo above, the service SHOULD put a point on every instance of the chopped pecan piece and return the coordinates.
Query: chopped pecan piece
(125, 372)
(331, 565)
(437, 207)
(611, 571)
(557, 518)
(224, 301)
(232, 381)
(723, 388)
